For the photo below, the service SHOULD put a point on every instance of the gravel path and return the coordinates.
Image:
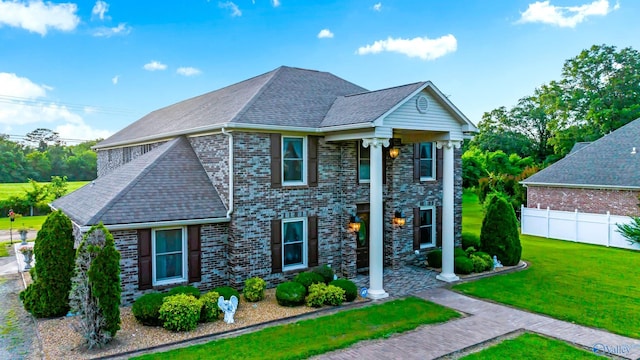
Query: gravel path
(18, 339)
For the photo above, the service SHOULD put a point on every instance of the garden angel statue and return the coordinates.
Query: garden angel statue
(228, 307)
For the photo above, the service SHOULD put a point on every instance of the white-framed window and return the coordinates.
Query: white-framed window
(294, 160)
(126, 155)
(427, 161)
(169, 250)
(427, 227)
(364, 163)
(294, 243)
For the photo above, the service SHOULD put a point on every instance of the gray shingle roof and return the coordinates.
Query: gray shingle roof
(368, 106)
(579, 146)
(606, 162)
(167, 183)
(284, 97)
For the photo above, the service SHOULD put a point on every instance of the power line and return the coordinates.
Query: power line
(16, 100)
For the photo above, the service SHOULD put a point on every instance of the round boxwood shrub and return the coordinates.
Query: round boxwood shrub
(146, 308)
(307, 278)
(334, 295)
(499, 233)
(180, 312)
(185, 289)
(210, 310)
(227, 291)
(470, 239)
(254, 289)
(349, 287)
(458, 252)
(480, 264)
(463, 265)
(326, 272)
(434, 258)
(290, 293)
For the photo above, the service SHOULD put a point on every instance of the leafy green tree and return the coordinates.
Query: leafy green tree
(57, 188)
(499, 233)
(35, 195)
(41, 138)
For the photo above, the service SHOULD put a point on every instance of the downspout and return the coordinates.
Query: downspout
(230, 207)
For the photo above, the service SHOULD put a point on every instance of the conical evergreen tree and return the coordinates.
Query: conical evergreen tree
(499, 234)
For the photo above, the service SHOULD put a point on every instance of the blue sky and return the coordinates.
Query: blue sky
(89, 68)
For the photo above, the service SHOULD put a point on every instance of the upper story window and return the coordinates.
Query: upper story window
(126, 155)
(294, 160)
(427, 161)
(169, 261)
(364, 164)
(145, 148)
(294, 243)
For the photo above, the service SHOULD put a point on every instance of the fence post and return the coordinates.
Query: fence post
(575, 238)
(548, 221)
(608, 228)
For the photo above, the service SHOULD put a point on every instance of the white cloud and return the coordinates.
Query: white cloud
(80, 130)
(38, 17)
(275, 3)
(377, 7)
(188, 71)
(324, 34)
(235, 11)
(115, 79)
(422, 47)
(99, 9)
(20, 87)
(154, 65)
(121, 29)
(564, 16)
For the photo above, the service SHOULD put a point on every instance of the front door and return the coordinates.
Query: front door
(362, 242)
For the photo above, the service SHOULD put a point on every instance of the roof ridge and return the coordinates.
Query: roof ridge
(135, 180)
(385, 89)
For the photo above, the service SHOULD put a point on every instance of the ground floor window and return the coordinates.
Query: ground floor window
(294, 240)
(427, 228)
(169, 248)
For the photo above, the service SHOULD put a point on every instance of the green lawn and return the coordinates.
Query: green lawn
(8, 189)
(532, 346)
(33, 223)
(4, 249)
(320, 335)
(586, 284)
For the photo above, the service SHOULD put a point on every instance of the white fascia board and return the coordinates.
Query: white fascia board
(467, 124)
(580, 186)
(158, 224)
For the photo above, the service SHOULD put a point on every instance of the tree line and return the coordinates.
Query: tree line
(43, 155)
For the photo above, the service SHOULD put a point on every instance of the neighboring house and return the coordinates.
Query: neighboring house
(263, 177)
(597, 177)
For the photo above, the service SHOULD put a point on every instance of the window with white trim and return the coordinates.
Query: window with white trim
(427, 161)
(169, 249)
(294, 160)
(364, 164)
(427, 227)
(294, 243)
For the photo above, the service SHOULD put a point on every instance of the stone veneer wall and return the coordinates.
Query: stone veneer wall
(111, 159)
(597, 201)
(213, 152)
(214, 261)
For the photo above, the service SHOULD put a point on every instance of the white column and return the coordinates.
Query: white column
(448, 213)
(376, 225)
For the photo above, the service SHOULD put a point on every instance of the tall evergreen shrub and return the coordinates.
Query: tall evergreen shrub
(499, 234)
(48, 295)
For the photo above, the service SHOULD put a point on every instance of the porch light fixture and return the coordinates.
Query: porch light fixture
(354, 223)
(633, 151)
(394, 152)
(399, 219)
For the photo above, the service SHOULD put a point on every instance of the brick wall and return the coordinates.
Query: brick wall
(598, 201)
(111, 159)
(213, 152)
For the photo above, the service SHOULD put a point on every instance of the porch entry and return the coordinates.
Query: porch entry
(362, 239)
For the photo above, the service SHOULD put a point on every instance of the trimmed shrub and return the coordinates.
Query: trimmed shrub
(227, 291)
(349, 287)
(307, 278)
(463, 265)
(479, 263)
(326, 272)
(499, 233)
(254, 289)
(180, 312)
(48, 295)
(469, 251)
(185, 289)
(334, 295)
(290, 293)
(434, 258)
(458, 252)
(470, 239)
(146, 308)
(210, 310)
(317, 295)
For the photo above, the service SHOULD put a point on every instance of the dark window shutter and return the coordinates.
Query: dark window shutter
(312, 165)
(144, 259)
(276, 161)
(416, 228)
(276, 246)
(312, 240)
(438, 225)
(439, 164)
(195, 253)
(416, 162)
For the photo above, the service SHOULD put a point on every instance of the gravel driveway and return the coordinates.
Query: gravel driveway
(18, 337)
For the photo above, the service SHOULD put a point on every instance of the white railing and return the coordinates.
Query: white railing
(598, 229)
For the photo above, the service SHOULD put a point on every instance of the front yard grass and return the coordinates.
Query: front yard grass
(320, 335)
(532, 346)
(587, 284)
(33, 223)
(4, 249)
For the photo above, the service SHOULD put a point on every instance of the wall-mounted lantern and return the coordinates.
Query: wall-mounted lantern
(399, 219)
(354, 223)
(394, 152)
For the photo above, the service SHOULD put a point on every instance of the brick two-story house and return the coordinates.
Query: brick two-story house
(266, 177)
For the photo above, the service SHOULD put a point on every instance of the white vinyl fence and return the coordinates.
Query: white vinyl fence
(598, 229)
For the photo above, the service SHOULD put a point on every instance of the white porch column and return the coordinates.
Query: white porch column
(376, 225)
(448, 213)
